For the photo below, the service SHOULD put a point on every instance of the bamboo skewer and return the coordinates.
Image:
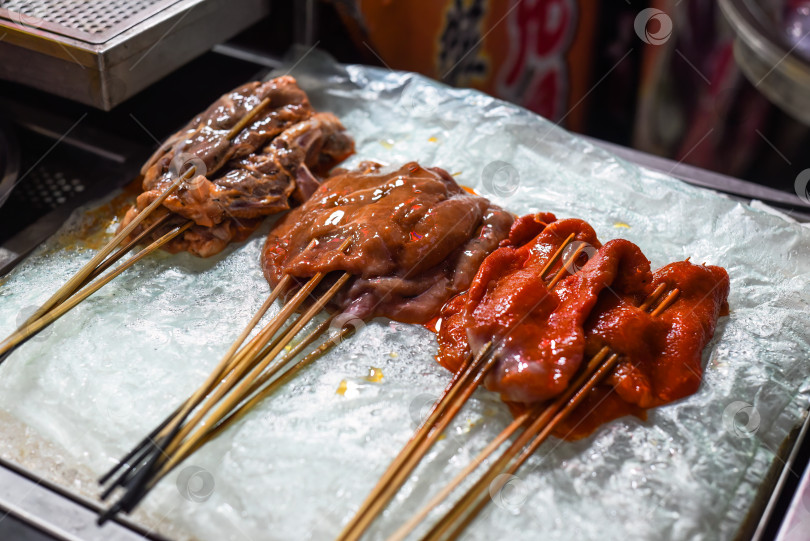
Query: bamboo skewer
(26, 331)
(508, 432)
(163, 440)
(244, 389)
(420, 443)
(100, 261)
(243, 377)
(491, 447)
(108, 262)
(194, 400)
(241, 364)
(154, 441)
(537, 432)
(406, 462)
(564, 268)
(263, 393)
(118, 254)
(522, 440)
(260, 393)
(59, 310)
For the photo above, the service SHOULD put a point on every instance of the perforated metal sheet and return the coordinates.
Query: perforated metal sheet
(47, 187)
(92, 21)
(104, 51)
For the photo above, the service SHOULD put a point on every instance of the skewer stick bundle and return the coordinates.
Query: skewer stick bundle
(417, 448)
(45, 314)
(245, 375)
(546, 419)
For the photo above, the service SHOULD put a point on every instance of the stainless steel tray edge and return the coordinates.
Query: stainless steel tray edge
(18, 247)
(103, 75)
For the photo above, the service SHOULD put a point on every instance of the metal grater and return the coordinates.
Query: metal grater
(100, 52)
(47, 188)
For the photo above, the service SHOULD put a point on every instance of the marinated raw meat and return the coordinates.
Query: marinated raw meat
(541, 336)
(275, 158)
(417, 238)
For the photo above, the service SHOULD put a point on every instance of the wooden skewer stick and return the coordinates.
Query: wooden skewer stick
(542, 420)
(241, 363)
(505, 434)
(653, 297)
(234, 355)
(385, 487)
(151, 444)
(167, 436)
(263, 393)
(109, 261)
(249, 385)
(97, 264)
(194, 400)
(229, 360)
(102, 254)
(397, 473)
(97, 272)
(29, 330)
(154, 226)
(564, 268)
(538, 431)
(556, 255)
(248, 118)
(515, 425)
(141, 481)
(162, 435)
(243, 389)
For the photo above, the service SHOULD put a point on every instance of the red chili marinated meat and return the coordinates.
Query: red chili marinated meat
(417, 238)
(541, 337)
(660, 356)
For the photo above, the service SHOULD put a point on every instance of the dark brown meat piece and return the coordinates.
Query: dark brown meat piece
(274, 159)
(417, 238)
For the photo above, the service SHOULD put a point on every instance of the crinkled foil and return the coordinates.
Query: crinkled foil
(81, 394)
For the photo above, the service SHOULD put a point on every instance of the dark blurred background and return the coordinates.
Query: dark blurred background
(660, 76)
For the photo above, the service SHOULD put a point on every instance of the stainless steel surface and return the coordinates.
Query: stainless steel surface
(56, 512)
(771, 63)
(9, 161)
(789, 529)
(92, 21)
(741, 190)
(102, 52)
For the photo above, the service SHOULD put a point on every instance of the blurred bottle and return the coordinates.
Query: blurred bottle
(537, 54)
(658, 75)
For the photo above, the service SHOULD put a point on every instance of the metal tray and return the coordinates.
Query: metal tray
(65, 515)
(101, 52)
